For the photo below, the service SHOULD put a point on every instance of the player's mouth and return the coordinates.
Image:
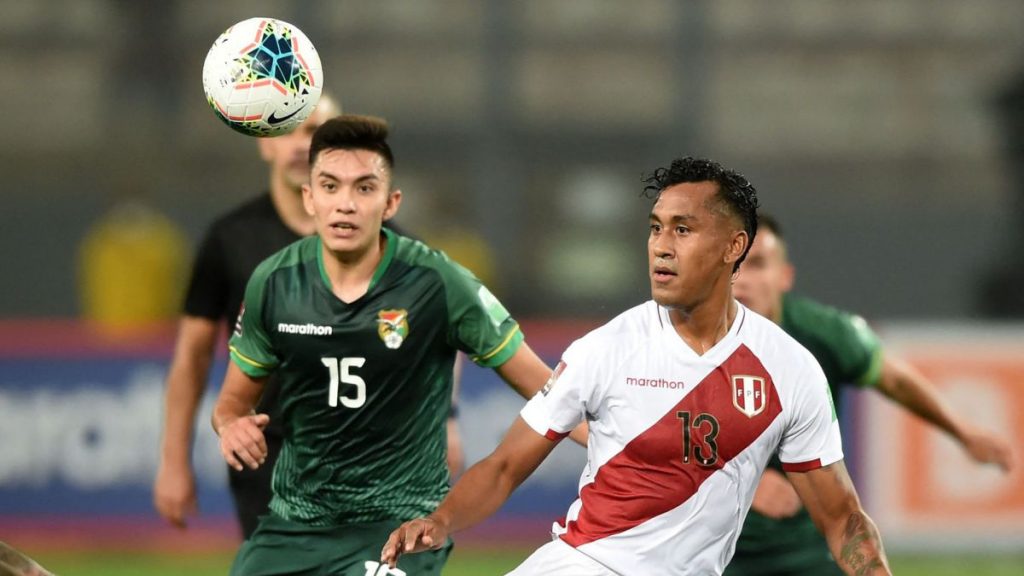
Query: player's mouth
(343, 229)
(662, 275)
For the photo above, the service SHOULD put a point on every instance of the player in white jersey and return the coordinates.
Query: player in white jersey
(687, 397)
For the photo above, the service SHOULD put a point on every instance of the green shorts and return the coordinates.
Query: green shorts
(279, 546)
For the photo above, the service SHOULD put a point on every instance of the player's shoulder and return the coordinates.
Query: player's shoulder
(301, 251)
(622, 334)
(803, 314)
(819, 325)
(776, 349)
(416, 253)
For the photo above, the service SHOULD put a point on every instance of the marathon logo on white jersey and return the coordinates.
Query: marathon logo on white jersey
(310, 329)
(748, 394)
(655, 383)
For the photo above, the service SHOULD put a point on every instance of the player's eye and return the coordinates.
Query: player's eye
(682, 230)
(328, 185)
(655, 228)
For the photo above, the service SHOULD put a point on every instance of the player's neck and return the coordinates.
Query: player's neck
(288, 204)
(704, 325)
(350, 274)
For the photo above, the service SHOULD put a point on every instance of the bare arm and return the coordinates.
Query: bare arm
(526, 373)
(909, 388)
(174, 493)
(240, 430)
(830, 498)
(15, 563)
(477, 495)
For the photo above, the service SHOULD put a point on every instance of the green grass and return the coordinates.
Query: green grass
(464, 562)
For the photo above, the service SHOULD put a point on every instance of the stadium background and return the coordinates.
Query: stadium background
(887, 135)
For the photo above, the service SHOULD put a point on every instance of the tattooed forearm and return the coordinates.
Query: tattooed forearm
(861, 552)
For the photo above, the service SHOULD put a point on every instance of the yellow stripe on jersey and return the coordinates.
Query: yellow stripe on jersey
(504, 343)
(248, 360)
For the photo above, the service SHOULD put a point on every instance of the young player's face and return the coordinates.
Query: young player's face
(349, 197)
(764, 276)
(691, 247)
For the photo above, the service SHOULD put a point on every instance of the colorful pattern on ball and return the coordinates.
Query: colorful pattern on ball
(262, 77)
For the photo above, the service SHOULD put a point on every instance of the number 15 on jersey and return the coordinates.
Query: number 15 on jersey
(340, 373)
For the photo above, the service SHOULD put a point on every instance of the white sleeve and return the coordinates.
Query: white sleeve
(560, 406)
(811, 439)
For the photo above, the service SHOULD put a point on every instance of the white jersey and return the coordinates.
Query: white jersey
(678, 440)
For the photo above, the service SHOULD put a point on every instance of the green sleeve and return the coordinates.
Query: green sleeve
(858, 350)
(478, 324)
(868, 369)
(843, 343)
(250, 345)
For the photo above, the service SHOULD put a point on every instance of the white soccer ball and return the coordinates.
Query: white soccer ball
(263, 77)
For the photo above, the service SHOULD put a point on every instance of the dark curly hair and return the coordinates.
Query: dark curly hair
(736, 195)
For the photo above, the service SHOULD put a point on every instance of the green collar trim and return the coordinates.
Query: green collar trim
(385, 261)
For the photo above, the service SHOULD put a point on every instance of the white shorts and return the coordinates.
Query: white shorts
(557, 558)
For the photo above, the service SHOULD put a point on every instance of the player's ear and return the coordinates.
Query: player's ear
(788, 277)
(307, 199)
(394, 201)
(737, 246)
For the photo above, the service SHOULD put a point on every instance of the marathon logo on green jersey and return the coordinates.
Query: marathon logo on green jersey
(310, 329)
(393, 327)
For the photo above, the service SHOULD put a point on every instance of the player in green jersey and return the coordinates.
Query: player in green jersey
(778, 536)
(360, 326)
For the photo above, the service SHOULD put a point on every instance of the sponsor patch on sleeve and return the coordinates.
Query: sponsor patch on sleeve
(554, 378)
(238, 321)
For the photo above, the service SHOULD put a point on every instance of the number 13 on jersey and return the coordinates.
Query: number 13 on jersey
(340, 373)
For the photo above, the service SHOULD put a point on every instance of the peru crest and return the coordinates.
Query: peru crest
(748, 394)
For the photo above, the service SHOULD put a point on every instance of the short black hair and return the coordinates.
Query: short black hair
(735, 192)
(352, 132)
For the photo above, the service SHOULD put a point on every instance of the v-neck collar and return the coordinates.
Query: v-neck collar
(672, 335)
(382, 266)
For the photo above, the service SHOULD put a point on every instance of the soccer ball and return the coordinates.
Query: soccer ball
(262, 77)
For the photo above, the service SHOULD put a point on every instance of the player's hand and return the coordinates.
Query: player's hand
(775, 496)
(174, 493)
(414, 536)
(242, 443)
(987, 448)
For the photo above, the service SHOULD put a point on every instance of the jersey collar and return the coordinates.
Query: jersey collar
(382, 266)
(726, 343)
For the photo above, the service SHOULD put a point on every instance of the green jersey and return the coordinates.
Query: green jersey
(850, 354)
(365, 386)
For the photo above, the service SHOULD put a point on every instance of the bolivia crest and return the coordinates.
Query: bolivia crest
(748, 394)
(392, 327)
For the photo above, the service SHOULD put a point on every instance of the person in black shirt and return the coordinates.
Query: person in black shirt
(232, 248)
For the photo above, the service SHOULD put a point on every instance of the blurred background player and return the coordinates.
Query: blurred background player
(778, 536)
